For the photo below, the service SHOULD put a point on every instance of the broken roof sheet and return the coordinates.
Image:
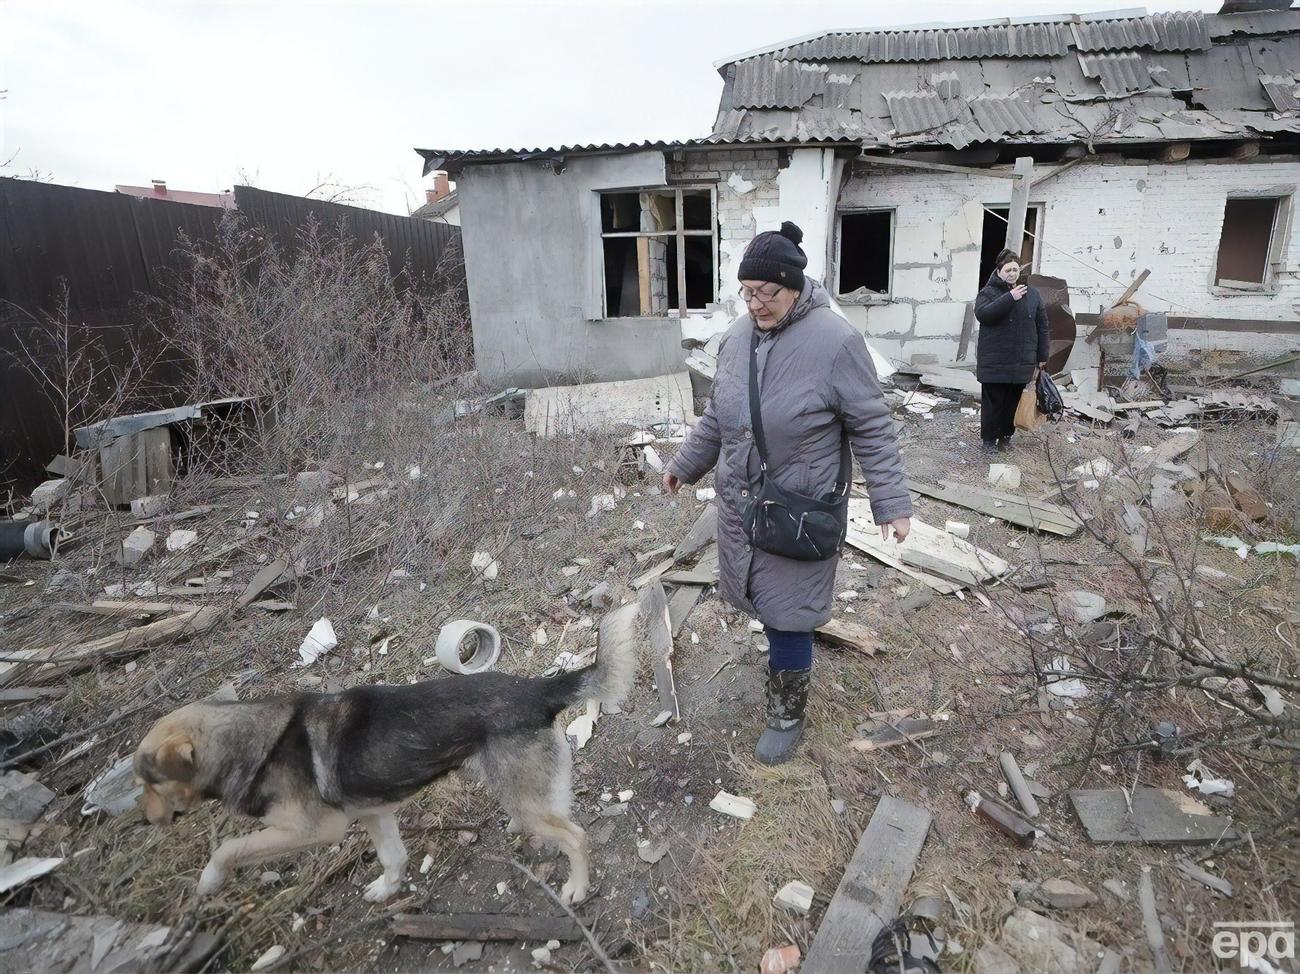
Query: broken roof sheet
(1029, 81)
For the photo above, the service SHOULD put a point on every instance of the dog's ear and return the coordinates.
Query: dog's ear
(174, 758)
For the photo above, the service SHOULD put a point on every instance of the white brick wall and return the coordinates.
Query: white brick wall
(1117, 218)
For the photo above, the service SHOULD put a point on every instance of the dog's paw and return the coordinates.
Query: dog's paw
(210, 881)
(381, 889)
(572, 893)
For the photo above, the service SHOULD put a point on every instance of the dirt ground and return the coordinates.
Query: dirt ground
(707, 903)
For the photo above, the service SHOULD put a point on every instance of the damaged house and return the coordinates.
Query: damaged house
(1126, 142)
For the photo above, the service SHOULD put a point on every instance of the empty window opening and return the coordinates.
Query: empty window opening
(1247, 243)
(866, 257)
(646, 251)
(995, 236)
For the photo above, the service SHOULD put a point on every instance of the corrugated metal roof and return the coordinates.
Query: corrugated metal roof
(1119, 74)
(1003, 114)
(1173, 31)
(1276, 21)
(1284, 93)
(919, 111)
(1003, 40)
(773, 83)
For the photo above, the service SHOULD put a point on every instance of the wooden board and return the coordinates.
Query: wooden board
(659, 636)
(1016, 508)
(1158, 816)
(484, 926)
(901, 732)
(958, 379)
(136, 466)
(702, 532)
(871, 544)
(851, 635)
(652, 574)
(871, 889)
(681, 604)
(41, 942)
(705, 571)
(929, 549)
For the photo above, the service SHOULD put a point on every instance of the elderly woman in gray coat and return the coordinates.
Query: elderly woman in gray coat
(816, 385)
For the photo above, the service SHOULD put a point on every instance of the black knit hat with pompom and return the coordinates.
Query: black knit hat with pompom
(777, 257)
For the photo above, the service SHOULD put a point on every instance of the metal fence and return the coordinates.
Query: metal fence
(107, 255)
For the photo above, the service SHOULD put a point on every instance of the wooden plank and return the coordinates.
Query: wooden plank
(659, 636)
(851, 635)
(652, 575)
(871, 544)
(931, 550)
(702, 532)
(1024, 179)
(643, 274)
(1015, 508)
(681, 255)
(1151, 923)
(126, 608)
(871, 889)
(705, 571)
(484, 926)
(967, 331)
(1132, 288)
(933, 166)
(30, 694)
(681, 604)
(900, 732)
(1157, 816)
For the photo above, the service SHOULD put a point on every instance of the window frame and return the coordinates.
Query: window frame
(877, 298)
(1275, 256)
(679, 233)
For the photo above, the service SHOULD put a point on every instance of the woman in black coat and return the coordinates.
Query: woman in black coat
(1013, 339)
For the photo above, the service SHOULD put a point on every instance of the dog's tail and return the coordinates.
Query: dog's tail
(609, 680)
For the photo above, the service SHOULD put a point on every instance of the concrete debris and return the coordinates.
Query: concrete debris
(1247, 498)
(580, 730)
(958, 529)
(1098, 469)
(1202, 779)
(705, 494)
(602, 503)
(49, 493)
(541, 956)
(180, 539)
(485, 566)
(662, 718)
(1148, 815)
(150, 506)
(466, 951)
(1004, 476)
(1083, 607)
(268, 958)
(651, 852)
(1062, 894)
(779, 960)
(1038, 943)
(600, 596)
(795, 896)
(1060, 684)
(736, 806)
(135, 547)
(319, 641)
(1118, 889)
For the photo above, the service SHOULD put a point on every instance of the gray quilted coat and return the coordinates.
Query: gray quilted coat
(817, 379)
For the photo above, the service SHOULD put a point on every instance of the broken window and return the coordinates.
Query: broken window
(1251, 241)
(995, 237)
(865, 259)
(660, 249)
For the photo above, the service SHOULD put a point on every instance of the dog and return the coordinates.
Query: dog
(308, 765)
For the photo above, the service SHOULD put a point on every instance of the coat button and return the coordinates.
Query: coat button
(744, 493)
(748, 548)
(748, 434)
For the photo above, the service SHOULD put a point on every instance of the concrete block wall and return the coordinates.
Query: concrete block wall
(1116, 218)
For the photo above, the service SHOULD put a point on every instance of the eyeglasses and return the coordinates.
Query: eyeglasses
(762, 296)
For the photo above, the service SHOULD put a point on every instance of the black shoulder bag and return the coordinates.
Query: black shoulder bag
(782, 522)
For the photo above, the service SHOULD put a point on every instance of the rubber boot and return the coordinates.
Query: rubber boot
(787, 699)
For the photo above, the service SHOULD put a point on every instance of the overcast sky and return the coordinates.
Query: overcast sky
(286, 94)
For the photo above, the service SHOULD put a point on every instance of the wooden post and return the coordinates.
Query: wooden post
(643, 274)
(1024, 177)
(681, 256)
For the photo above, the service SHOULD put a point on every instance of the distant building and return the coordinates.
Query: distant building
(442, 203)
